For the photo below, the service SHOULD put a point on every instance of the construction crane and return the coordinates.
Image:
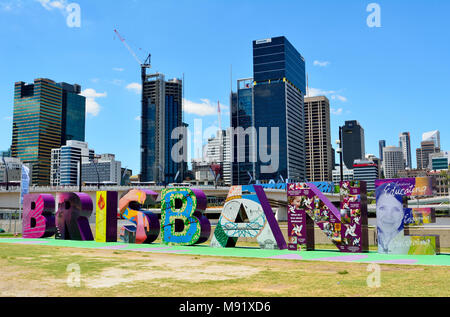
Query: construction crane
(144, 65)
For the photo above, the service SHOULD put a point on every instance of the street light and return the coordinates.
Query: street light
(340, 151)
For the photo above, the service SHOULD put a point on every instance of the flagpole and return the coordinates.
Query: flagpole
(20, 196)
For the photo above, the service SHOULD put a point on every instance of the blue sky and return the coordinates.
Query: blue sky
(391, 79)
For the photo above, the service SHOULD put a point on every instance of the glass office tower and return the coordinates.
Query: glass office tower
(37, 126)
(280, 86)
(243, 168)
(353, 142)
(161, 114)
(73, 120)
(274, 99)
(405, 144)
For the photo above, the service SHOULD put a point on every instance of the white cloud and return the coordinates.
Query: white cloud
(203, 108)
(314, 92)
(336, 112)
(135, 87)
(8, 118)
(92, 106)
(55, 4)
(9, 6)
(118, 69)
(138, 118)
(339, 97)
(321, 64)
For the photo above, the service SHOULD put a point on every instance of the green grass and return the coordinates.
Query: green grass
(37, 270)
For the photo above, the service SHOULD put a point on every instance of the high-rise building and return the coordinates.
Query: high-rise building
(10, 170)
(348, 174)
(273, 100)
(393, 161)
(46, 115)
(103, 170)
(243, 166)
(65, 168)
(278, 96)
(377, 161)
(353, 142)
(37, 125)
(381, 145)
(319, 161)
(434, 136)
(423, 153)
(73, 118)
(439, 161)
(405, 144)
(161, 114)
(366, 170)
(217, 153)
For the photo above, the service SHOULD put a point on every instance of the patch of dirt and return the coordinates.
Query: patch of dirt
(15, 282)
(186, 269)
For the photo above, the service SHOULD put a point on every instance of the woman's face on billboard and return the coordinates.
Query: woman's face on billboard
(389, 213)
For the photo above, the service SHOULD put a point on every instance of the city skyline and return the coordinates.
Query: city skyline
(349, 75)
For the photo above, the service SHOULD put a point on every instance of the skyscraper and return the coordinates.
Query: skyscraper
(46, 115)
(353, 142)
(243, 166)
(278, 96)
(37, 125)
(366, 170)
(423, 153)
(319, 161)
(381, 145)
(393, 161)
(73, 113)
(273, 100)
(434, 136)
(65, 166)
(161, 114)
(405, 144)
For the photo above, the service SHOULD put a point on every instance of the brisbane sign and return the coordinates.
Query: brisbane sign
(245, 214)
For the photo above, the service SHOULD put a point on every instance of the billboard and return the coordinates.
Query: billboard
(417, 186)
(393, 219)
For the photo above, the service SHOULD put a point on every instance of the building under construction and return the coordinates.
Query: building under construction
(161, 114)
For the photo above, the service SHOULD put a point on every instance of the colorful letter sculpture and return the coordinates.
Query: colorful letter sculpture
(72, 217)
(346, 228)
(38, 216)
(182, 221)
(106, 216)
(394, 218)
(247, 214)
(146, 226)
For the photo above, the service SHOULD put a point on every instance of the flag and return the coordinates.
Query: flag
(25, 183)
